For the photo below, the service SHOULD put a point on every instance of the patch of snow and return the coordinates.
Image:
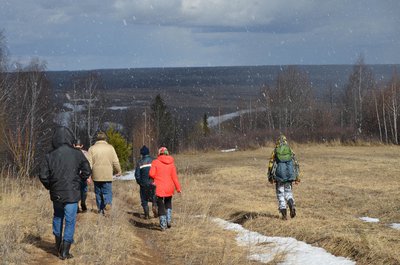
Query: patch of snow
(264, 249)
(395, 226)
(129, 175)
(118, 107)
(229, 150)
(369, 219)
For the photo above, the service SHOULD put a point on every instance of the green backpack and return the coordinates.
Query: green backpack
(283, 153)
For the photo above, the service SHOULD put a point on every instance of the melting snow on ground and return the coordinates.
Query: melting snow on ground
(376, 220)
(129, 175)
(395, 226)
(264, 248)
(369, 219)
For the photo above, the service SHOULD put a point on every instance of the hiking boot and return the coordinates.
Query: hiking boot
(64, 254)
(146, 212)
(154, 210)
(58, 244)
(169, 217)
(292, 208)
(163, 222)
(284, 213)
(83, 203)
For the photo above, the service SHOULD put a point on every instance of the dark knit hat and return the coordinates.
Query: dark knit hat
(144, 150)
(101, 136)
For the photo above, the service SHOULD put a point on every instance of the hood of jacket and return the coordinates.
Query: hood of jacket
(166, 159)
(62, 135)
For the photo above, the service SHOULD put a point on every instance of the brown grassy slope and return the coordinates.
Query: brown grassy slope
(26, 233)
(339, 184)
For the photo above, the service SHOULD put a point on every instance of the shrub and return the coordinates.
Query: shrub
(122, 147)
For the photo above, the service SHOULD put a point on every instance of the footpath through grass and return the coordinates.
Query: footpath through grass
(339, 185)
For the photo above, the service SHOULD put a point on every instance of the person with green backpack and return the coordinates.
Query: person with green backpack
(283, 170)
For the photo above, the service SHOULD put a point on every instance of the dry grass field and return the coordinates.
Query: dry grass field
(339, 185)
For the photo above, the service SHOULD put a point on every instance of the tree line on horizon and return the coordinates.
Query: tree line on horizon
(364, 110)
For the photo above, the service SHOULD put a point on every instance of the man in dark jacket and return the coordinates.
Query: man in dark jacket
(62, 172)
(147, 189)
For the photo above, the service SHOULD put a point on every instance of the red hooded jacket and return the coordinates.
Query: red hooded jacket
(163, 171)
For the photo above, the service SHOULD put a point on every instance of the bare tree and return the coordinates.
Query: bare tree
(87, 104)
(28, 116)
(361, 81)
(377, 117)
(290, 101)
(392, 106)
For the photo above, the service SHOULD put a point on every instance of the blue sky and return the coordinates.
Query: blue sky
(94, 34)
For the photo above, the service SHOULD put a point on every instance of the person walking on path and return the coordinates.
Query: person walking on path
(104, 161)
(283, 170)
(61, 172)
(147, 189)
(163, 171)
(84, 184)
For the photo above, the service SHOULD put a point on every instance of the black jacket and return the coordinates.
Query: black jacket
(142, 171)
(64, 168)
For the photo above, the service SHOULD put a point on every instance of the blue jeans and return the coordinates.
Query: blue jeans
(103, 191)
(67, 211)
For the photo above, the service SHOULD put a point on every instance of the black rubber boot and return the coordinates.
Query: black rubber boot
(154, 209)
(146, 212)
(284, 213)
(65, 251)
(58, 244)
(292, 208)
(83, 203)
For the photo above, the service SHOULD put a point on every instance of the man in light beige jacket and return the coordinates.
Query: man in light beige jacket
(104, 162)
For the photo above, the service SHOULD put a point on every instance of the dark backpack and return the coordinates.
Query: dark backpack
(283, 153)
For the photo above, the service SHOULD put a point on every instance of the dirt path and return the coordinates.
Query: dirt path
(42, 249)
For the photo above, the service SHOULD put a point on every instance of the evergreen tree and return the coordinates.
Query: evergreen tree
(206, 128)
(163, 124)
(122, 148)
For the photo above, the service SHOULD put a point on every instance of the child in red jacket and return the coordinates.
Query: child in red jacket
(163, 171)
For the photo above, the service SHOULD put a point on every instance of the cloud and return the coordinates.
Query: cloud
(82, 34)
(210, 13)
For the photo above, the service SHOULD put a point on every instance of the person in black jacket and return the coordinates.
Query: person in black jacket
(147, 189)
(62, 172)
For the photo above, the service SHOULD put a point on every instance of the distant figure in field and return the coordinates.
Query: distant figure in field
(61, 172)
(283, 170)
(147, 189)
(84, 185)
(163, 171)
(104, 161)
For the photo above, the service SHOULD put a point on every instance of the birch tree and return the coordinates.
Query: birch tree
(360, 81)
(29, 116)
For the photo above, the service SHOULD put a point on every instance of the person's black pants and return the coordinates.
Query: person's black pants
(164, 203)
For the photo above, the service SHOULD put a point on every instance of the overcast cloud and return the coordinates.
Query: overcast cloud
(93, 34)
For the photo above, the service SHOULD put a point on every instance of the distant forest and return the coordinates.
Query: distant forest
(345, 103)
(174, 107)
